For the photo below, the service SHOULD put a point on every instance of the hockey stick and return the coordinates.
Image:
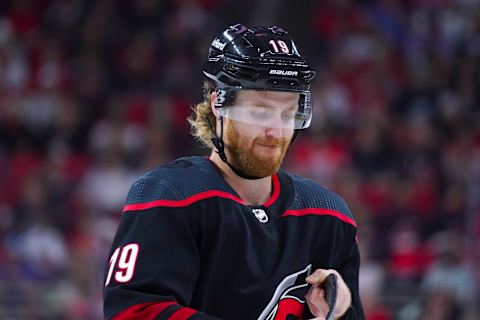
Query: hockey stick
(330, 287)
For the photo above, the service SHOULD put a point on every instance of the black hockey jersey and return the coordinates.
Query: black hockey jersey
(188, 247)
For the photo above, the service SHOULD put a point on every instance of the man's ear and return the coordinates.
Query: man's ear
(213, 100)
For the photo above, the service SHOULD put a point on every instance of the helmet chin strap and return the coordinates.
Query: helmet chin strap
(220, 146)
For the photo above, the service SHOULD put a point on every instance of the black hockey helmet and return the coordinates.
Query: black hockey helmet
(259, 58)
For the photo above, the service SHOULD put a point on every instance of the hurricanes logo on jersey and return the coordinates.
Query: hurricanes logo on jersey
(288, 300)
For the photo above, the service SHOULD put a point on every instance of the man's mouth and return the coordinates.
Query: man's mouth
(269, 146)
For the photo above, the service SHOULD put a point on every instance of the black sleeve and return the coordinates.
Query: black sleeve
(154, 262)
(350, 273)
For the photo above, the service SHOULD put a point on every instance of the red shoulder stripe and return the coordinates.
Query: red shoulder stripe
(320, 212)
(146, 311)
(182, 314)
(182, 203)
(151, 310)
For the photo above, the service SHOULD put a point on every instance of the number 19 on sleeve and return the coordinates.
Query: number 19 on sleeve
(124, 260)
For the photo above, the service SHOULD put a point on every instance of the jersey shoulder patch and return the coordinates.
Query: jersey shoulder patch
(176, 181)
(309, 194)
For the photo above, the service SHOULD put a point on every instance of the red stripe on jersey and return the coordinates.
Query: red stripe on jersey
(145, 311)
(182, 314)
(182, 203)
(276, 191)
(320, 212)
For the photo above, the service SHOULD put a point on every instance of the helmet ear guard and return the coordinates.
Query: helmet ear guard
(225, 96)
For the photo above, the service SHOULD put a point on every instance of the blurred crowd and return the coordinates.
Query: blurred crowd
(94, 93)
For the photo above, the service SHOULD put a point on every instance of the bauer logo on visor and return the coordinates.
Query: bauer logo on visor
(284, 72)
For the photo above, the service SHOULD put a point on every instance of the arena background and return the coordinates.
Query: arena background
(93, 93)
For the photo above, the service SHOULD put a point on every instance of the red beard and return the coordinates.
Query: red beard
(251, 157)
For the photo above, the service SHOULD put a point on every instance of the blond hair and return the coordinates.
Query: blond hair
(202, 118)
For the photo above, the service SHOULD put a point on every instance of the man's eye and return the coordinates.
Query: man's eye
(260, 114)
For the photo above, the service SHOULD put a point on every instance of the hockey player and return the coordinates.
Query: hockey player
(232, 236)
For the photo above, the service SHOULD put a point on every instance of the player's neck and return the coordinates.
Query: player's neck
(253, 192)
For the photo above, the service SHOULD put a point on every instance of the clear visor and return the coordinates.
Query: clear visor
(296, 117)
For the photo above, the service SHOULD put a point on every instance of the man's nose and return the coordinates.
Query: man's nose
(275, 129)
